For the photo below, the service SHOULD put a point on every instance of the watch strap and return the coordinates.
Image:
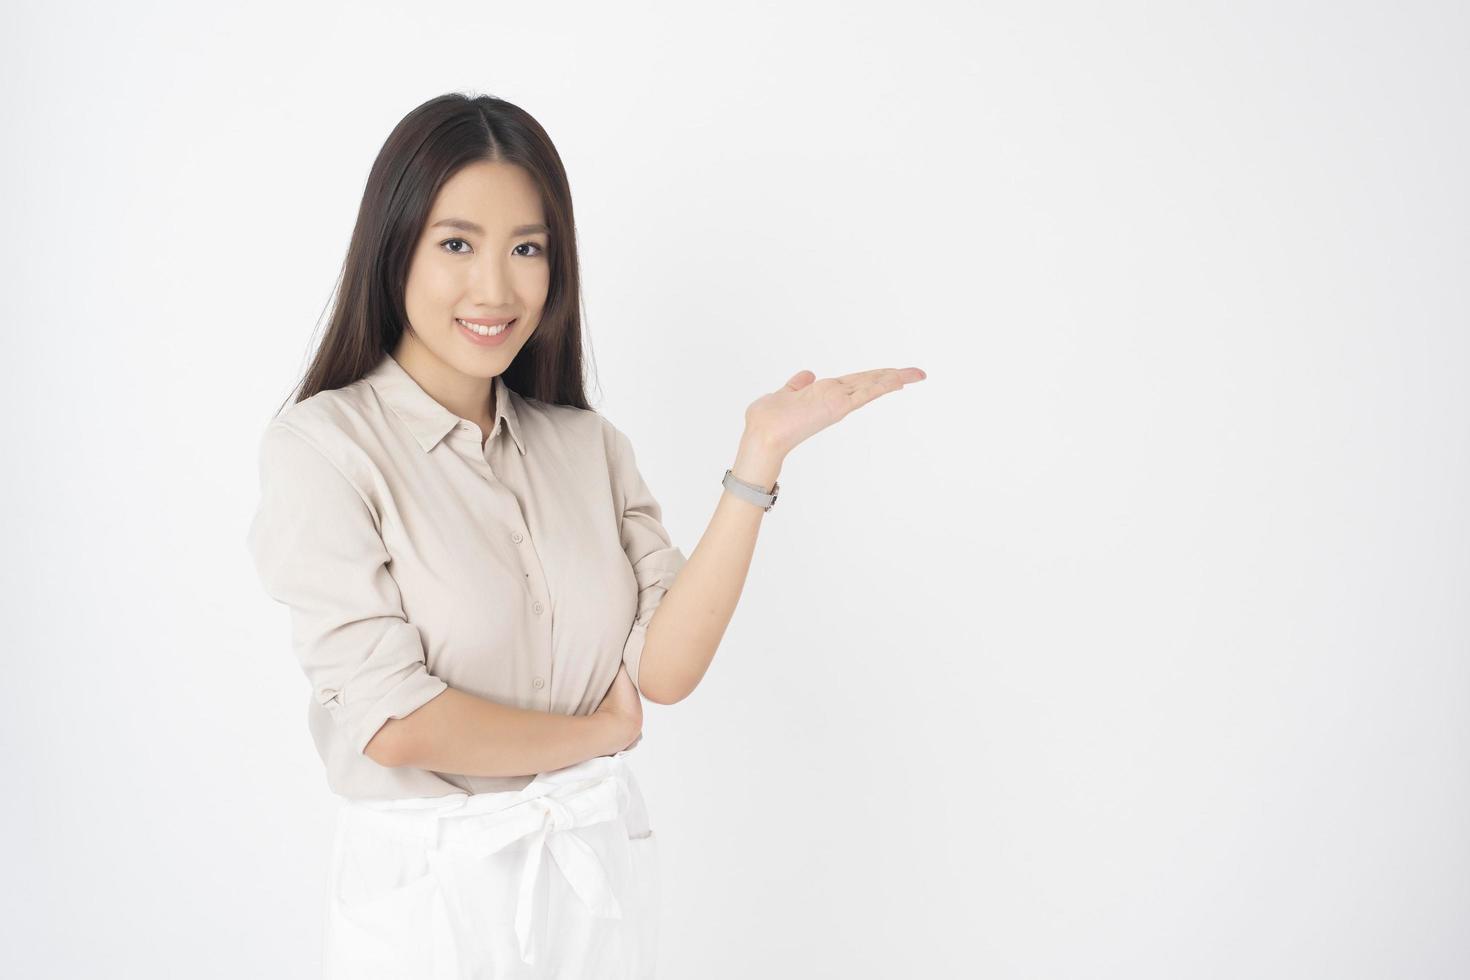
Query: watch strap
(751, 493)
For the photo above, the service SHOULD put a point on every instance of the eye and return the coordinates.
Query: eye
(464, 251)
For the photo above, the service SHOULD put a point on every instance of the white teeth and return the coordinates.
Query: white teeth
(483, 331)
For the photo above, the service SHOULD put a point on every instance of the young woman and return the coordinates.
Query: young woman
(479, 580)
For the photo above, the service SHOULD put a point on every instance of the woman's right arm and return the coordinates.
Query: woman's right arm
(317, 549)
(460, 733)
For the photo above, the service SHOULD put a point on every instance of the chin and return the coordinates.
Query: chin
(486, 366)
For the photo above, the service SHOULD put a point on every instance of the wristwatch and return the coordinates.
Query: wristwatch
(750, 492)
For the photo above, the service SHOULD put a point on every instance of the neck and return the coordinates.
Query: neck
(466, 396)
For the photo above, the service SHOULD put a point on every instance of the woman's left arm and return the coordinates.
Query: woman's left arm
(690, 621)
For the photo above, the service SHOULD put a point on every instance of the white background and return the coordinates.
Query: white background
(1132, 643)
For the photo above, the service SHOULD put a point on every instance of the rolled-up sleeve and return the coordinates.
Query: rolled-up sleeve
(317, 549)
(655, 559)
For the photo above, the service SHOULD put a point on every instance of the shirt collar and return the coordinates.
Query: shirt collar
(427, 419)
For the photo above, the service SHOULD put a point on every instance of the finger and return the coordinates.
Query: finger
(873, 384)
(905, 375)
(800, 380)
(861, 377)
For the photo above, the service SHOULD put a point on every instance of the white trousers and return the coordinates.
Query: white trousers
(557, 880)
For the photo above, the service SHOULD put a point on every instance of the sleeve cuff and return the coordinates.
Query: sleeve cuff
(655, 574)
(416, 688)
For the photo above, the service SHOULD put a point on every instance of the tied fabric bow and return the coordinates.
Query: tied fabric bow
(548, 815)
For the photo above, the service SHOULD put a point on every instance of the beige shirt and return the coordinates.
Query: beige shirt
(413, 559)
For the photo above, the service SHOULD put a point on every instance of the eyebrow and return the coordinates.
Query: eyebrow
(470, 226)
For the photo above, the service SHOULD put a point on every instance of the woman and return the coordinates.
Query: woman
(473, 564)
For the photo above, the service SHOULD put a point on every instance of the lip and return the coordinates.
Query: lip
(485, 341)
(493, 321)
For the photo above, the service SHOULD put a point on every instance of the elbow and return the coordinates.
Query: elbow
(653, 691)
(384, 747)
(653, 682)
(401, 740)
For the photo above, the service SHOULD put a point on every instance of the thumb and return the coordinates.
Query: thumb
(800, 380)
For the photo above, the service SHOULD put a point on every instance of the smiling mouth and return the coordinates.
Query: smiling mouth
(481, 330)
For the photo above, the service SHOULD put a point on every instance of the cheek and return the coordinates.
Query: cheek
(533, 285)
(441, 283)
(428, 273)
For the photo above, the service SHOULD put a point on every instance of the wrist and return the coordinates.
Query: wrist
(757, 461)
(614, 732)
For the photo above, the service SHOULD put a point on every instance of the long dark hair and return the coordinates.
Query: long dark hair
(425, 149)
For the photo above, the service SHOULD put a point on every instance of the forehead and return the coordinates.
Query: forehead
(492, 195)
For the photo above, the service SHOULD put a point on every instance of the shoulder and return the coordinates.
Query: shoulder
(574, 429)
(328, 415)
(318, 435)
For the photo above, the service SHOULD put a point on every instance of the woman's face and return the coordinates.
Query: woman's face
(482, 255)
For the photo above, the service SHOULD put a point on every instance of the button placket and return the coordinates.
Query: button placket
(530, 562)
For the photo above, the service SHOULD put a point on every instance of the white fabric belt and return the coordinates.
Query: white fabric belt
(463, 829)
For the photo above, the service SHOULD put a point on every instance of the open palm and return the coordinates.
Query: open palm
(805, 405)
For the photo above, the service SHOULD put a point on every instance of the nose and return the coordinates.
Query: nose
(491, 283)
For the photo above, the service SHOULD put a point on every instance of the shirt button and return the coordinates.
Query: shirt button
(538, 683)
(537, 607)
(517, 537)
